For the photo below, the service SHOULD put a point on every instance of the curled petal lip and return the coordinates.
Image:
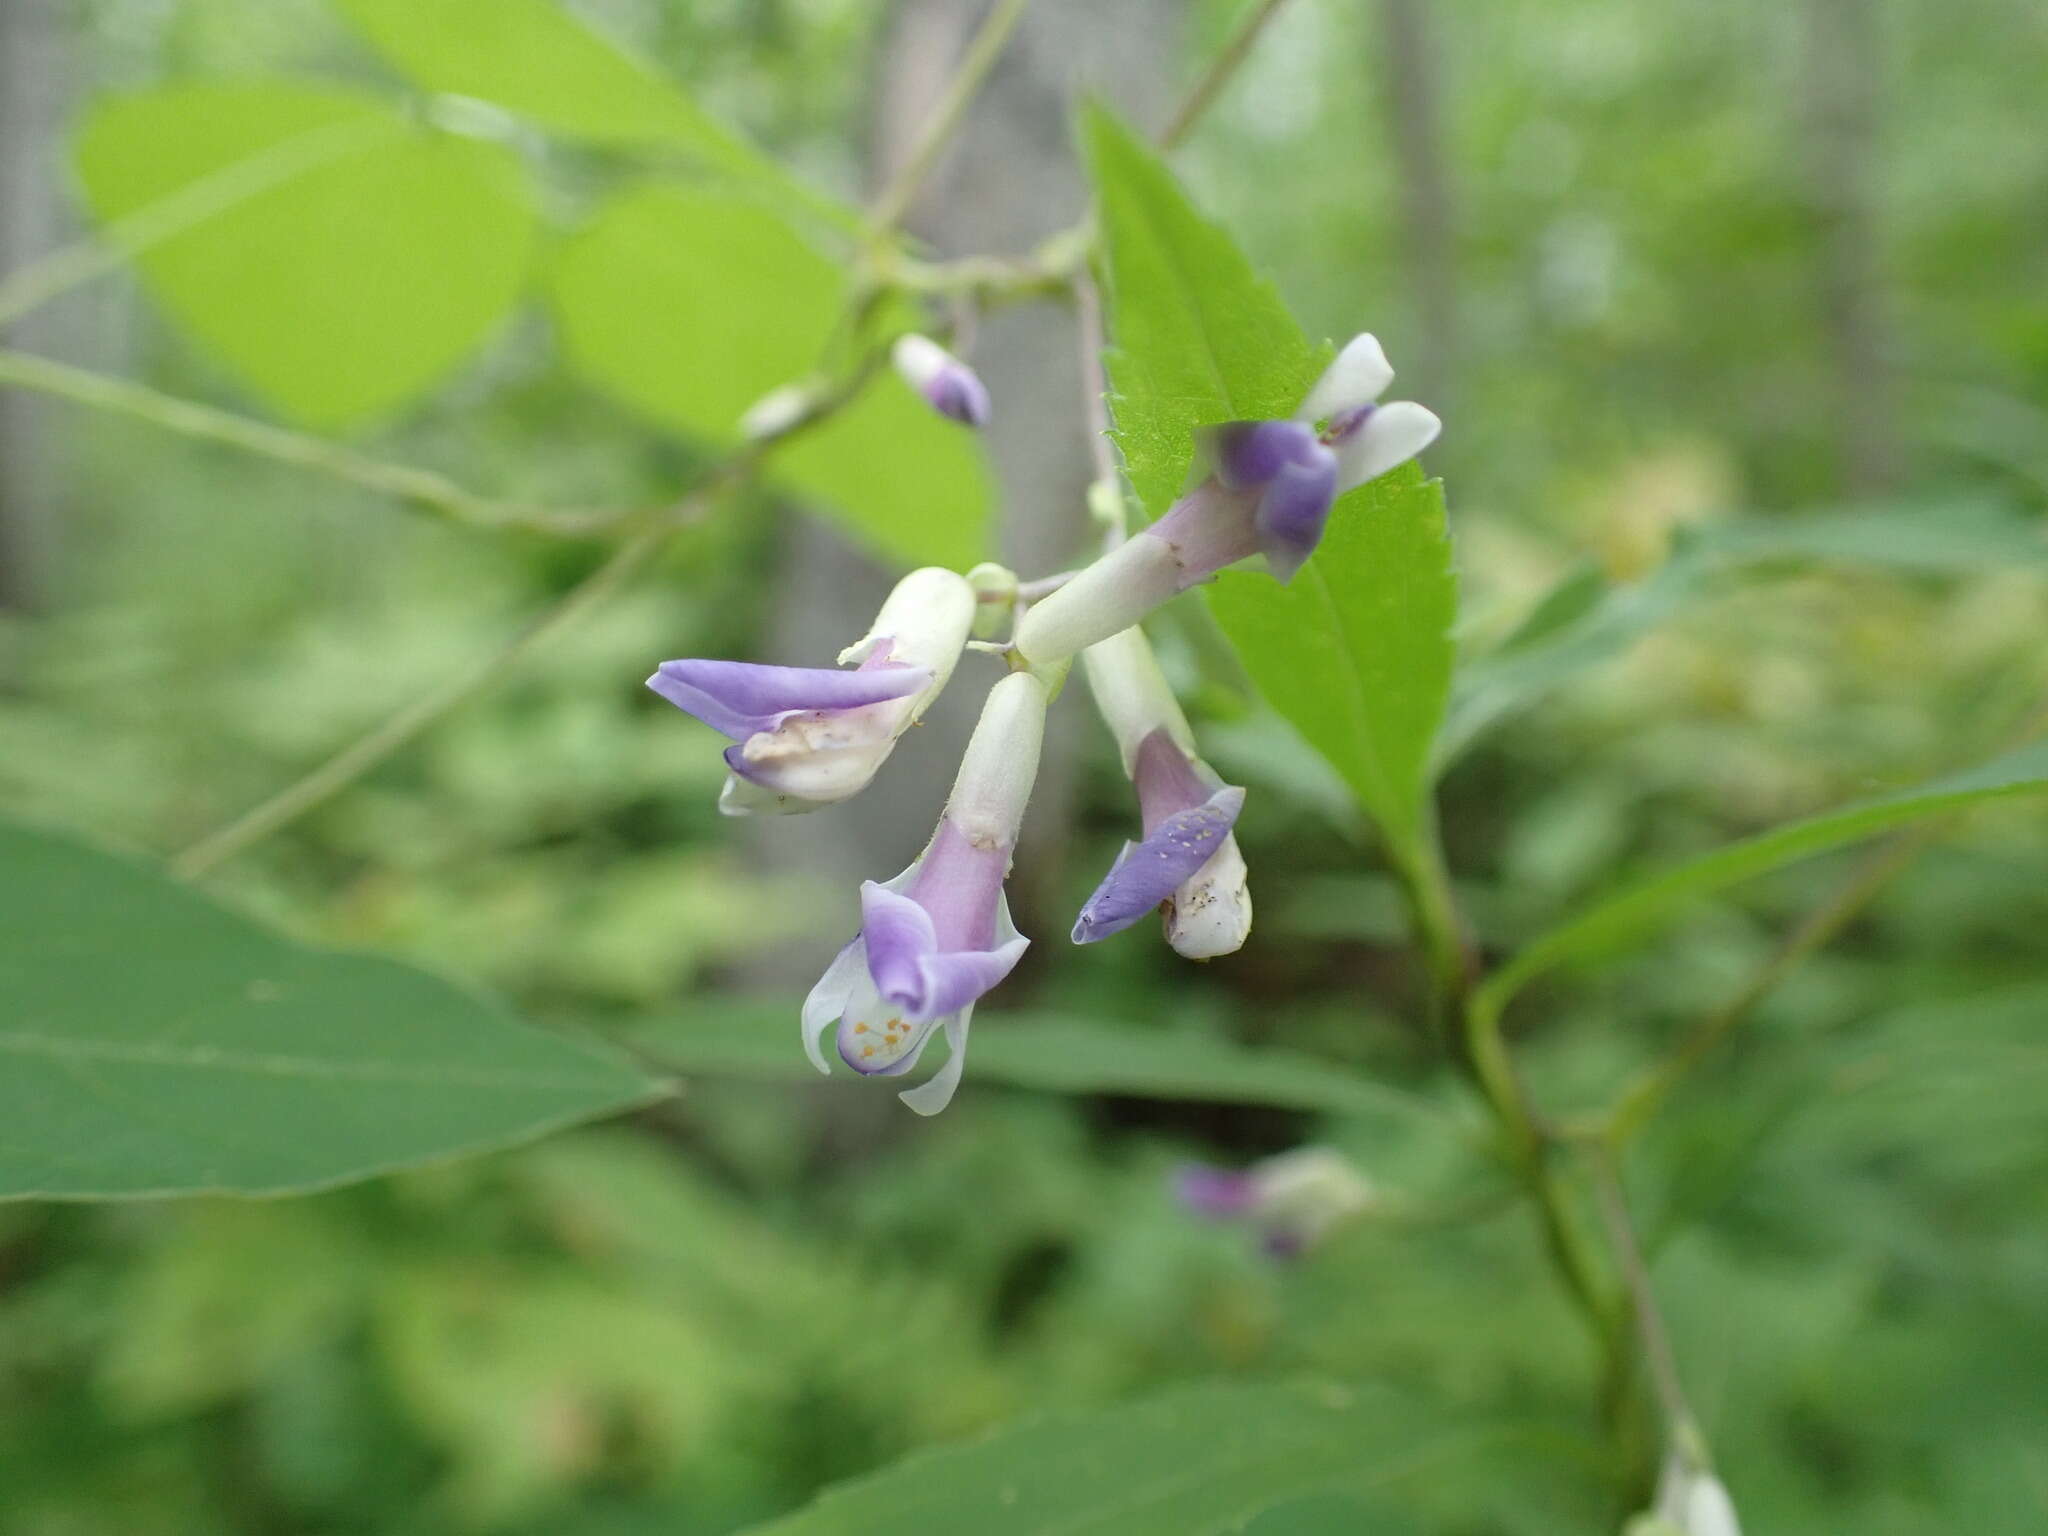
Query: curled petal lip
(1148, 872)
(740, 699)
(908, 968)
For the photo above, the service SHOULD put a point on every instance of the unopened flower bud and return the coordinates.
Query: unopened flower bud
(995, 597)
(948, 385)
(777, 411)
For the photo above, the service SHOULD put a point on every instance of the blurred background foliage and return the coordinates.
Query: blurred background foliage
(1667, 271)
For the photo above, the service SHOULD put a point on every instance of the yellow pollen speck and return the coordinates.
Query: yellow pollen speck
(867, 1050)
(860, 1029)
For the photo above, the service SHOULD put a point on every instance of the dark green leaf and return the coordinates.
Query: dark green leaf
(338, 294)
(1356, 653)
(1190, 1462)
(1628, 912)
(156, 1044)
(689, 305)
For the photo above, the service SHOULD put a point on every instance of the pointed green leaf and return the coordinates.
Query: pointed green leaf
(340, 293)
(1189, 1462)
(533, 58)
(1643, 904)
(152, 1043)
(690, 304)
(1356, 653)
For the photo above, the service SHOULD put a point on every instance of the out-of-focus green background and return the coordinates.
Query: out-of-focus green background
(1660, 268)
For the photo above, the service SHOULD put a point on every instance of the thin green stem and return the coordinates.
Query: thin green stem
(896, 197)
(28, 288)
(1658, 1356)
(1219, 73)
(188, 418)
(367, 751)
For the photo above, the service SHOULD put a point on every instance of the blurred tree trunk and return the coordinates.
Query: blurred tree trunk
(1413, 79)
(31, 110)
(1843, 70)
(1009, 181)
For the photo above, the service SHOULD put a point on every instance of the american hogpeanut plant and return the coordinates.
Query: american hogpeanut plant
(336, 252)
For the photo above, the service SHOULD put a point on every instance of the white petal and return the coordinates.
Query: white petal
(743, 797)
(1211, 911)
(919, 359)
(1359, 376)
(1708, 1509)
(929, 1098)
(829, 997)
(1391, 435)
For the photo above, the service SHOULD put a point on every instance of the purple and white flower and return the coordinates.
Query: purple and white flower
(810, 736)
(939, 935)
(1294, 1200)
(948, 385)
(1187, 865)
(1261, 488)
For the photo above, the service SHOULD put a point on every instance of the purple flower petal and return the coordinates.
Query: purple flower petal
(1146, 873)
(1250, 453)
(1291, 514)
(740, 699)
(1218, 1193)
(909, 969)
(958, 393)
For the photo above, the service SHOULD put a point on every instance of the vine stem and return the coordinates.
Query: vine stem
(367, 751)
(1658, 1355)
(189, 418)
(1218, 74)
(895, 198)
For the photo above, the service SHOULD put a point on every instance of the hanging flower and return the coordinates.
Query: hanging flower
(810, 736)
(1262, 488)
(1294, 1200)
(1187, 866)
(948, 385)
(939, 935)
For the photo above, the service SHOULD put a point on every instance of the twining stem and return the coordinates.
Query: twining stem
(1219, 72)
(1638, 1104)
(895, 198)
(420, 487)
(366, 752)
(1658, 1356)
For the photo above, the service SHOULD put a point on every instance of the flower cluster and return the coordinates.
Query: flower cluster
(938, 936)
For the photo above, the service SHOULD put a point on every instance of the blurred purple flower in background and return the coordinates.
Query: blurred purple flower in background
(1293, 1200)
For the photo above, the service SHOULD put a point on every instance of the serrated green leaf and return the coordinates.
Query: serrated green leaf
(1049, 1053)
(156, 1044)
(1629, 912)
(689, 305)
(1356, 653)
(339, 294)
(533, 58)
(1190, 1462)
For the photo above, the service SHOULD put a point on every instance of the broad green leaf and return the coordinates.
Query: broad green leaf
(689, 305)
(1053, 1054)
(1356, 653)
(153, 1043)
(533, 58)
(1585, 620)
(337, 295)
(1189, 1462)
(1627, 913)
